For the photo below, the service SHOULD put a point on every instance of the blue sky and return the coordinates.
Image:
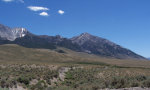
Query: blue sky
(125, 22)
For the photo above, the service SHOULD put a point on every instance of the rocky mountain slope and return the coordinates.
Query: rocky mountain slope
(6, 33)
(83, 43)
(100, 46)
(11, 34)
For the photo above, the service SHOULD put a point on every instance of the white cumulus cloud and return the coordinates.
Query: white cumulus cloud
(37, 8)
(43, 14)
(61, 12)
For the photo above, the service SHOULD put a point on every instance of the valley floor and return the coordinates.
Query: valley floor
(42, 69)
(72, 77)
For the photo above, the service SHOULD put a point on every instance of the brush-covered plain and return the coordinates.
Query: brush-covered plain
(64, 69)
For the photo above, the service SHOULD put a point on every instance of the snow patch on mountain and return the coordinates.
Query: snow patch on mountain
(11, 34)
(19, 32)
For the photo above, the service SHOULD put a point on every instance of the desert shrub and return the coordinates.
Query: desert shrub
(50, 75)
(24, 80)
(3, 83)
(118, 82)
(7, 83)
(41, 85)
(95, 87)
(87, 78)
(140, 77)
(79, 77)
(134, 84)
(23, 73)
(146, 83)
(60, 51)
(69, 76)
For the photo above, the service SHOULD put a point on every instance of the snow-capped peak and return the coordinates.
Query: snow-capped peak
(19, 32)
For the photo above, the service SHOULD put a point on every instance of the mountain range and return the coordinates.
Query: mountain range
(85, 42)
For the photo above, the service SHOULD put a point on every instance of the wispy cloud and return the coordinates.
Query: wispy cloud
(7, 0)
(22, 1)
(43, 14)
(61, 12)
(37, 8)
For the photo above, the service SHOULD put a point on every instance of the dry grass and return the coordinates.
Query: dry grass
(16, 54)
(18, 63)
(84, 57)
